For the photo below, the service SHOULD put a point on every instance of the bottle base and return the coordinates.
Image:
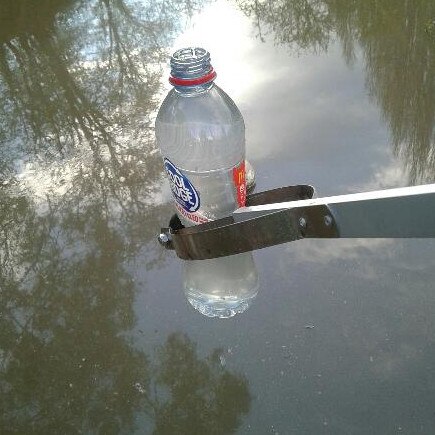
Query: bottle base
(220, 307)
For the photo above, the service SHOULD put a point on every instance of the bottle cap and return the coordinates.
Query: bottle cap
(190, 67)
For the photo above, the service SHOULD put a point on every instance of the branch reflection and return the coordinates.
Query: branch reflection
(398, 50)
(79, 83)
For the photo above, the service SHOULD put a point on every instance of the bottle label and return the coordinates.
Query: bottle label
(184, 193)
(195, 218)
(239, 178)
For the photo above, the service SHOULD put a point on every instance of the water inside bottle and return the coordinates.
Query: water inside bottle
(217, 193)
(221, 287)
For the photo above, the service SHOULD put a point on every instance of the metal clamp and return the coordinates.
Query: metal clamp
(289, 213)
(227, 236)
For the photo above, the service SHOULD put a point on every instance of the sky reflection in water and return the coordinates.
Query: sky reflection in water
(96, 334)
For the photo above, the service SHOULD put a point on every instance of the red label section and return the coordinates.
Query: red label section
(239, 178)
(193, 217)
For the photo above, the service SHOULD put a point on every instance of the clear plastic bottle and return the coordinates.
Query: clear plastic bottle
(201, 135)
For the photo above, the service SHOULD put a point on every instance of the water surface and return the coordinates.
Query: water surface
(96, 335)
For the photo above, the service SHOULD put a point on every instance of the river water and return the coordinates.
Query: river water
(96, 333)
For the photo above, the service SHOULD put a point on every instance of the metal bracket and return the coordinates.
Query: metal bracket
(227, 236)
(289, 213)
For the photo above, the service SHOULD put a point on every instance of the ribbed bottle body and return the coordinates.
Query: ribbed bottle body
(201, 135)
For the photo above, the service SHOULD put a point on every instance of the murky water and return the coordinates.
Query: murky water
(96, 334)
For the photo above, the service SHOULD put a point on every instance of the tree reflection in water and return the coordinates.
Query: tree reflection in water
(79, 83)
(66, 365)
(205, 398)
(398, 50)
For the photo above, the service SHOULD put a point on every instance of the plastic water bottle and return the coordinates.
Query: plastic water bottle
(201, 135)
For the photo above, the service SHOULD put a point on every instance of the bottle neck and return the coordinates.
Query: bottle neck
(191, 91)
(191, 71)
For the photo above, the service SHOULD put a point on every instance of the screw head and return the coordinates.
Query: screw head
(328, 220)
(302, 222)
(163, 239)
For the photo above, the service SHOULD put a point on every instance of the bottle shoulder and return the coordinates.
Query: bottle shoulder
(212, 106)
(205, 132)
